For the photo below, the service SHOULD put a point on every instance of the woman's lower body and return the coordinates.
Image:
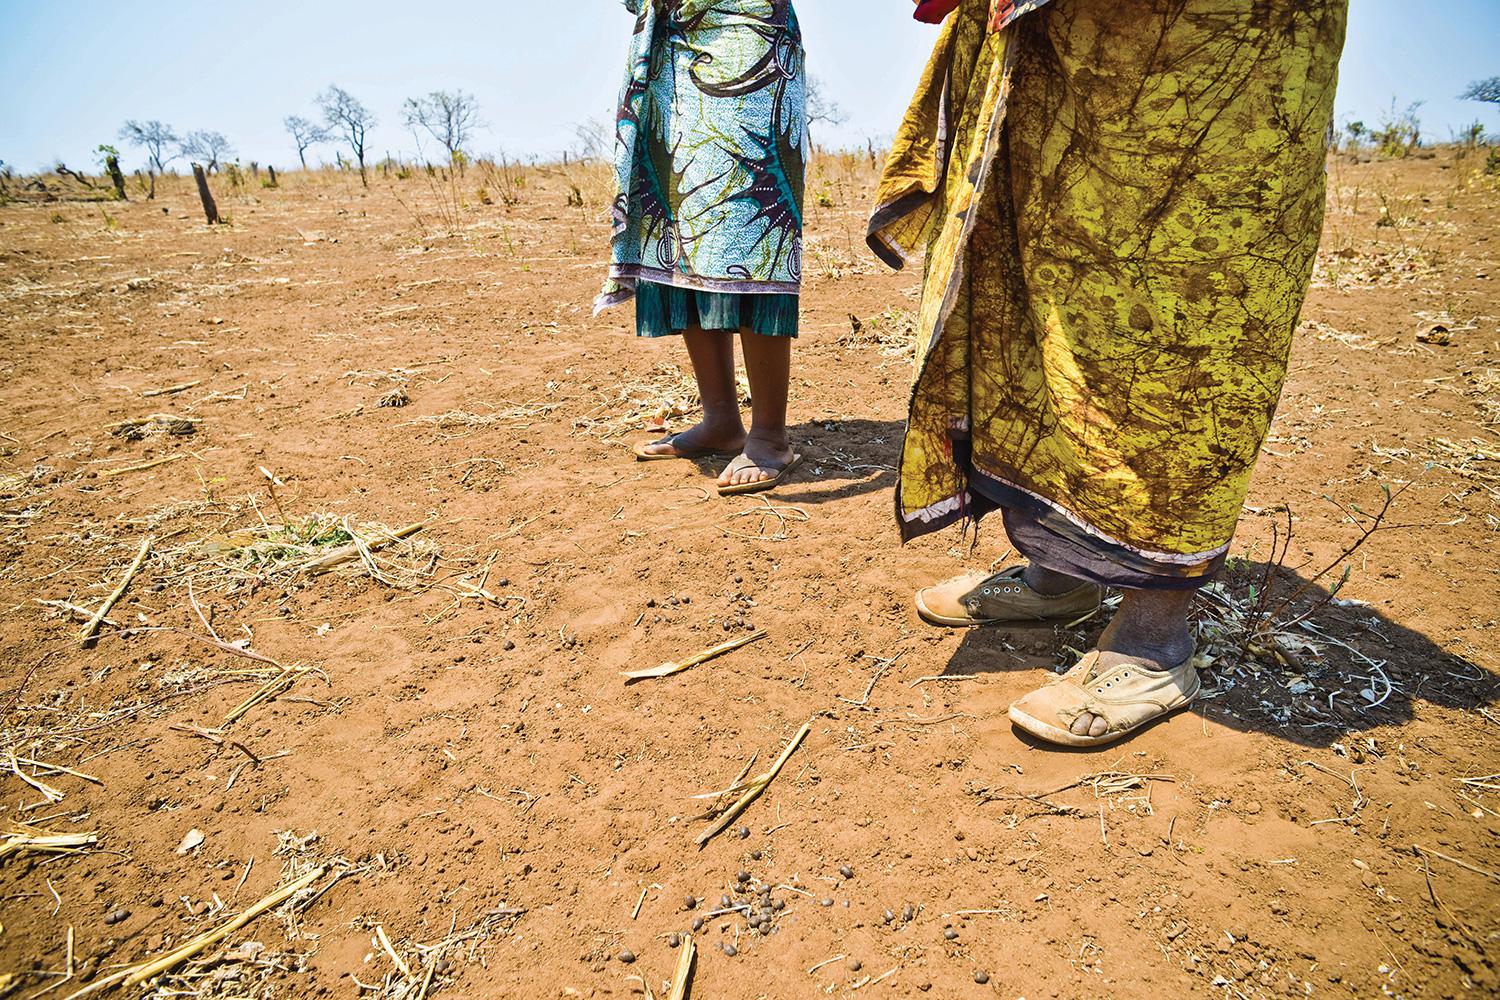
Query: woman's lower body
(708, 322)
(712, 143)
(1120, 230)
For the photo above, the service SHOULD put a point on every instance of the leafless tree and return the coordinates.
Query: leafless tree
(346, 117)
(449, 117)
(207, 147)
(821, 108)
(159, 142)
(304, 133)
(594, 139)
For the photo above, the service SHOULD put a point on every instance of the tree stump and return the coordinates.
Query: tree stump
(272, 172)
(210, 210)
(116, 177)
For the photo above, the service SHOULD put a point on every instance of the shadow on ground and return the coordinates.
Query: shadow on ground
(1359, 670)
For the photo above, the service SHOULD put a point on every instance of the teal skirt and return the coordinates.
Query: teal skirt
(662, 310)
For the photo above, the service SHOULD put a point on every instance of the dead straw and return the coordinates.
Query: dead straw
(91, 630)
(137, 974)
(668, 669)
(751, 790)
(684, 974)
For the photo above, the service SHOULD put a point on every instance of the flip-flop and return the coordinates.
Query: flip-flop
(642, 455)
(744, 461)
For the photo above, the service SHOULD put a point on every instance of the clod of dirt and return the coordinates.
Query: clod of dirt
(1436, 334)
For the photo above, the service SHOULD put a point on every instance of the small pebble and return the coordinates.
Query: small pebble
(697, 923)
(743, 876)
(778, 905)
(115, 916)
(627, 956)
(846, 871)
(981, 977)
(505, 581)
(907, 913)
(724, 900)
(949, 934)
(730, 949)
(825, 901)
(442, 966)
(888, 916)
(509, 644)
(755, 855)
(690, 903)
(855, 965)
(673, 940)
(744, 832)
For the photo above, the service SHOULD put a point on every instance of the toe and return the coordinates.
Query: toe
(1082, 724)
(1099, 727)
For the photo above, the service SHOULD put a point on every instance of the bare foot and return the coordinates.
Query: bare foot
(698, 439)
(769, 457)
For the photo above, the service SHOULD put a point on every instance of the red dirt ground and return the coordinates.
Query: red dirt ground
(484, 781)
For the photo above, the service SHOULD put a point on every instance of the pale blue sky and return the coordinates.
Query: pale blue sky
(72, 73)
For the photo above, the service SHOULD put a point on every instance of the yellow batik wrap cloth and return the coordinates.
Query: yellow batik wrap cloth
(1119, 206)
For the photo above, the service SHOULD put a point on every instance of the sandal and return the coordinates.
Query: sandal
(1125, 691)
(743, 461)
(1002, 598)
(642, 455)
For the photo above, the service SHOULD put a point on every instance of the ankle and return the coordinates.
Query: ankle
(1049, 583)
(776, 437)
(1167, 647)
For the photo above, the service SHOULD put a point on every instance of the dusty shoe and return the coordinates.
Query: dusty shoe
(1001, 598)
(1104, 698)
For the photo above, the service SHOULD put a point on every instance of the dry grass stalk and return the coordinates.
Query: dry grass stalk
(138, 974)
(270, 689)
(385, 943)
(142, 467)
(28, 840)
(357, 548)
(169, 390)
(91, 630)
(751, 790)
(669, 668)
(48, 792)
(682, 978)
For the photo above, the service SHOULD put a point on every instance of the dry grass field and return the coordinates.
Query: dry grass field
(360, 458)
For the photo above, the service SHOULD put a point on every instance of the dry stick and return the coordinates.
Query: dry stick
(270, 689)
(48, 792)
(172, 388)
(92, 628)
(58, 767)
(684, 972)
(755, 788)
(344, 553)
(385, 942)
(1420, 850)
(74, 609)
(668, 669)
(137, 974)
(142, 467)
(45, 843)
